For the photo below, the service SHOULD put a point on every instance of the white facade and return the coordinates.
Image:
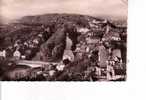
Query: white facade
(17, 55)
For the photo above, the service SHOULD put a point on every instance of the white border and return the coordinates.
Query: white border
(132, 89)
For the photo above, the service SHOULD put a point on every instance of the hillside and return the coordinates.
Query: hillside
(29, 27)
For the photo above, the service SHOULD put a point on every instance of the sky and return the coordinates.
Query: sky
(13, 9)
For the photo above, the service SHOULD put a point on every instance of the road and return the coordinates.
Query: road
(33, 64)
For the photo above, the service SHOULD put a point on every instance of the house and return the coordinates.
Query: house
(17, 55)
(3, 54)
(83, 30)
(91, 40)
(112, 36)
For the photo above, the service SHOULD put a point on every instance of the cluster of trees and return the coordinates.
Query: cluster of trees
(56, 18)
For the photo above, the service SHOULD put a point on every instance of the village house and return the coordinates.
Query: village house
(17, 54)
(110, 70)
(1, 55)
(82, 30)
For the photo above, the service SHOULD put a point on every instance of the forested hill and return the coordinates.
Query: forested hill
(60, 18)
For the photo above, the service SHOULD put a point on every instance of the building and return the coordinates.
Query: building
(17, 55)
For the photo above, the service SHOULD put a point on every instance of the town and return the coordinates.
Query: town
(63, 48)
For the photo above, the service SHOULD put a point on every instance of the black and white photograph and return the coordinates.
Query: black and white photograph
(63, 40)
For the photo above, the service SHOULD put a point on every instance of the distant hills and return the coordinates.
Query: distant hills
(69, 17)
(47, 18)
